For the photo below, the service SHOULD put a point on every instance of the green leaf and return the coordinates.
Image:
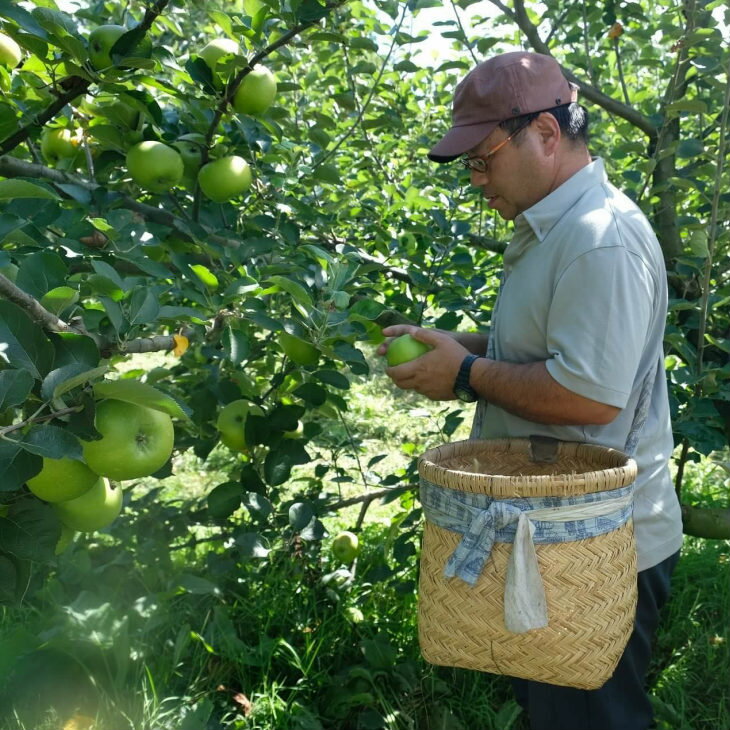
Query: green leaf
(197, 585)
(251, 545)
(25, 346)
(16, 466)
(236, 345)
(13, 189)
(224, 500)
(31, 531)
(297, 291)
(144, 306)
(690, 148)
(133, 391)
(15, 387)
(68, 377)
(332, 377)
(311, 393)
(73, 348)
(687, 105)
(51, 442)
(300, 515)
(41, 272)
(59, 298)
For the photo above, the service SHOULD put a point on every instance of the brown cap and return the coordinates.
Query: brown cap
(501, 88)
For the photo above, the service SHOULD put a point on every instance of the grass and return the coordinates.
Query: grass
(133, 637)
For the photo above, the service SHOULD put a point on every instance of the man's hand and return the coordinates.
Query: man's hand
(432, 374)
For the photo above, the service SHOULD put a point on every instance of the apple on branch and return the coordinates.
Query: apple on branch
(58, 144)
(10, 53)
(225, 178)
(256, 92)
(214, 52)
(62, 479)
(94, 509)
(102, 40)
(135, 441)
(155, 166)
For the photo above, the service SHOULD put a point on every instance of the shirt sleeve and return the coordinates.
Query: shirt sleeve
(598, 324)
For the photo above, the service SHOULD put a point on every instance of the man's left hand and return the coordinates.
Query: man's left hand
(433, 374)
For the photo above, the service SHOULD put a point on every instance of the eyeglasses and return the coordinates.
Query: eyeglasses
(481, 163)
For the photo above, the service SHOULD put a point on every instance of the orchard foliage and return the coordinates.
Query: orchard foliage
(272, 296)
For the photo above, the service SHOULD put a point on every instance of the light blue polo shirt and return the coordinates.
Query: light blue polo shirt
(585, 291)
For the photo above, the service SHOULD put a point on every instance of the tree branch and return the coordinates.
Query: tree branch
(13, 167)
(39, 314)
(74, 86)
(591, 93)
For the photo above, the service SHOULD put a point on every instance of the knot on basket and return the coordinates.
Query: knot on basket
(481, 520)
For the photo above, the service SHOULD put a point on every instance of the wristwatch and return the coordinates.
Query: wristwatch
(462, 390)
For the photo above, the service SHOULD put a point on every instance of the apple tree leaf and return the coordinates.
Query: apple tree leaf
(51, 442)
(25, 346)
(16, 465)
(224, 500)
(300, 514)
(30, 531)
(12, 189)
(142, 394)
(15, 386)
(251, 545)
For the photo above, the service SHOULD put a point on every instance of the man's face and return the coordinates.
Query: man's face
(515, 177)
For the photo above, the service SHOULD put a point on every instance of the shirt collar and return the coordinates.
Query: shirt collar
(542, 216)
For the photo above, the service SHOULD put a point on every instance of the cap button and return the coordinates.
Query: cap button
(558, 100)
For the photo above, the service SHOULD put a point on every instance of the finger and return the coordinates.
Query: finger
(396, 330)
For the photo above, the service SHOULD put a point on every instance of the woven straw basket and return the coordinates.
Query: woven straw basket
(590, 584)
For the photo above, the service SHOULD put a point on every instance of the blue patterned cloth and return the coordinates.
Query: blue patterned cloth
(483, 520)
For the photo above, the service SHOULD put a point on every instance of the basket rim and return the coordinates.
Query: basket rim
(626, 472)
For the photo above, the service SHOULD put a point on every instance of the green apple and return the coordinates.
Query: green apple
(10, 53)
(256, 92)
(103, 38)
(58, 144)
(345, 547)
(298, 350)
(96, 508)
(214, 51)
(190, 146)
(62, 479)
(155, 166)
(136, 441)
(225, 178)
(231, 424)
(404, 349)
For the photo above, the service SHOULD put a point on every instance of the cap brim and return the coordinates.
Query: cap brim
(459, 140)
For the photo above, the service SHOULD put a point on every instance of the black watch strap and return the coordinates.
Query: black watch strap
(462, 389)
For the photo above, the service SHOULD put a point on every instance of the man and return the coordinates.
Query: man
(576, 331)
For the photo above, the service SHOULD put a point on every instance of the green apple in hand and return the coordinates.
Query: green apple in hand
(136, 441)
(404, 349)
(256, 92)
(10, 53)
(345, 546)
(62, 479)
(154, 166)
(96, 508)
(225, 178)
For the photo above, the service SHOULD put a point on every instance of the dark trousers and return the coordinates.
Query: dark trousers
(622, 703)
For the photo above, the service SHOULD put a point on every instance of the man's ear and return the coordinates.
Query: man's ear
(549, 132)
